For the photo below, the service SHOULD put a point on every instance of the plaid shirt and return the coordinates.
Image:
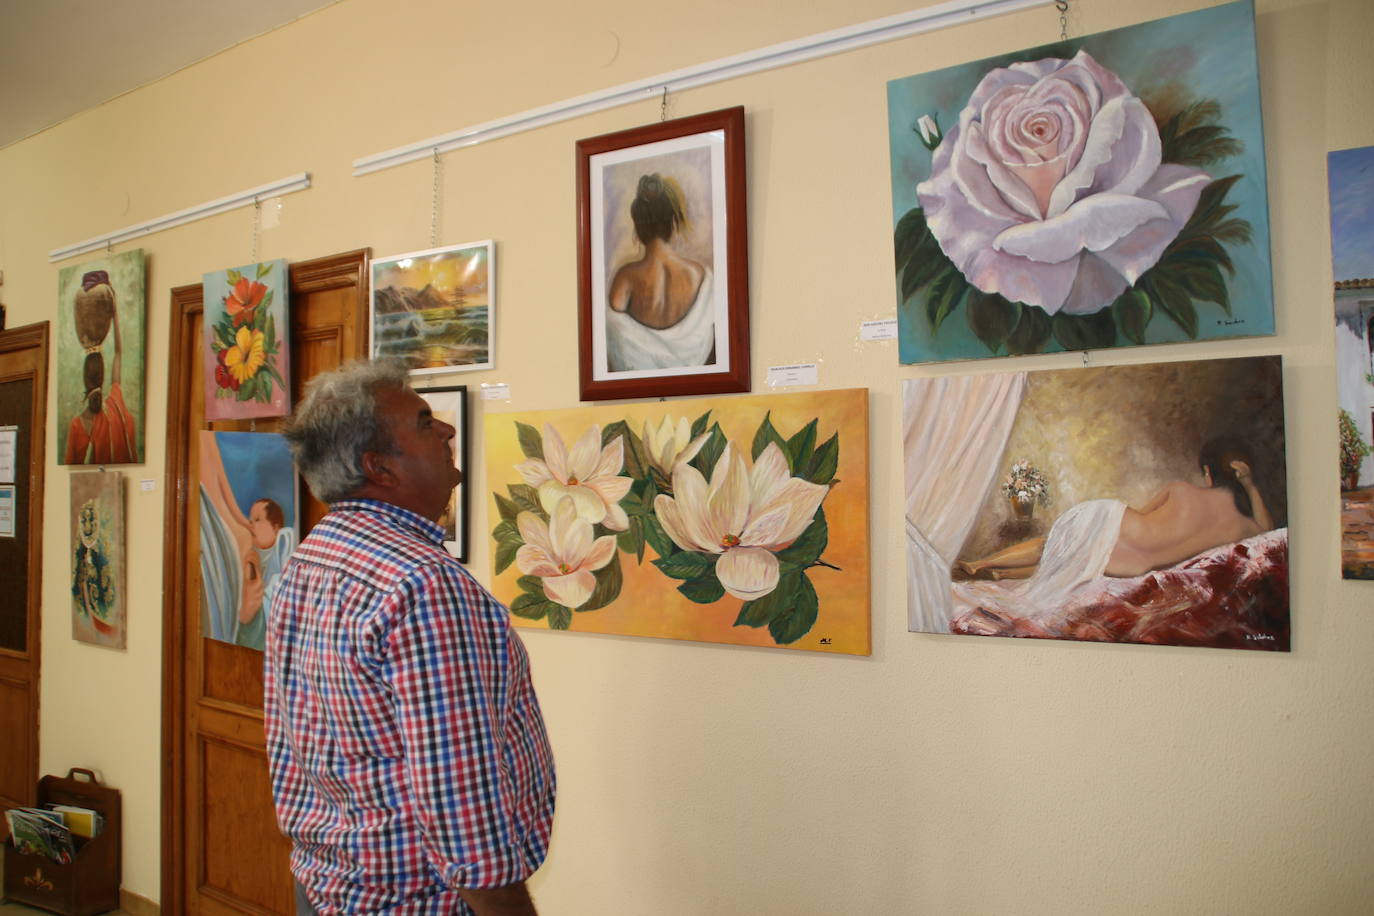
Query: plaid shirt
(407, 749)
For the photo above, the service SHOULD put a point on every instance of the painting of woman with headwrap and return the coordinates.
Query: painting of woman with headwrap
(664, 290)
(100, 361)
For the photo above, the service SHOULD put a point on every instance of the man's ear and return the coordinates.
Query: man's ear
(377, 469)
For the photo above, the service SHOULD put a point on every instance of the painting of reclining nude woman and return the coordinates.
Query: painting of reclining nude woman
(1135, 504)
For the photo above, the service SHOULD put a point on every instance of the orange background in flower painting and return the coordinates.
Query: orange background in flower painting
(649, 603)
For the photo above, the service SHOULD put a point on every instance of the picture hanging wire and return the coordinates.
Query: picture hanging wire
(663, 107)
(434, 204)
(257, 222)
(1085, 359)
(1063, 7)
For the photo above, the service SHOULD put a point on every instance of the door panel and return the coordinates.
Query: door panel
(23, 404)
(222, 852)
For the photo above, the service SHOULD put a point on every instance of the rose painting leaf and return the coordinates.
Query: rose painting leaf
(1073, 201)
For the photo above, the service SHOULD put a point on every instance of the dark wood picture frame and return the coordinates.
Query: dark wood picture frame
(716, 137)
(458, 503)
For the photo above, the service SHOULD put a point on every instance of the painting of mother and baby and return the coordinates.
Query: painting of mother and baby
(1140, 504)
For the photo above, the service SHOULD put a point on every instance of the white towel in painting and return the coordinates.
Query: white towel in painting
(631, 345)
(1076, 552)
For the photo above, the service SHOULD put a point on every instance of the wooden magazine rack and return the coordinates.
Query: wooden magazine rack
(89, 884)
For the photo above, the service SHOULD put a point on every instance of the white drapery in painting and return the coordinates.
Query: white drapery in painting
(954, 432)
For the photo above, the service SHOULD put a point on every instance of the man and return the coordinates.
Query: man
(410, 766)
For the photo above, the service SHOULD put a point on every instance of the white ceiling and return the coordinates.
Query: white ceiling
(61, 57)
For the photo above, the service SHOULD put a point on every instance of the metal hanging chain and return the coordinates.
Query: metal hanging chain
(1063, 7)
(434, 205)
(663, 107)
(257, 223)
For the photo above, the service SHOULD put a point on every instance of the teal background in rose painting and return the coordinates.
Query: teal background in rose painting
(1205, 54)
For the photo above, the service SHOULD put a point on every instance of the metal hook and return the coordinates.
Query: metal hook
(1085, 359)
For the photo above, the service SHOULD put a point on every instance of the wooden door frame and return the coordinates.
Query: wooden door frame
(28, 337)
(348, 269)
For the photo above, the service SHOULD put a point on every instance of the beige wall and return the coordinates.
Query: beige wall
(942, 774)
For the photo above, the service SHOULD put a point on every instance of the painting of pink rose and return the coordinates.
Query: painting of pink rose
(739, 520)
(1106, 191)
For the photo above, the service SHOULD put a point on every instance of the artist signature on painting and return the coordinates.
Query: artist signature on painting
(1269, 637)
(1228, 322)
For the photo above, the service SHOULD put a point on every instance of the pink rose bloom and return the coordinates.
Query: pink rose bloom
(1050, 189)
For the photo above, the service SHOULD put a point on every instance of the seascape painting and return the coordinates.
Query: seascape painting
(1037, 506)
(100, 360)
(1350, 174)
(738, 520)
(248, 528)
(99, 606)
(1104, 191)
(247, 342)
(435, 308)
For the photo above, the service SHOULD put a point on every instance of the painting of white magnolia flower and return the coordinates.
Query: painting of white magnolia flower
(1106, 191)
(740, 520)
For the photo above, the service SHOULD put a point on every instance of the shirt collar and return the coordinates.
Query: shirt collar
(402, 517)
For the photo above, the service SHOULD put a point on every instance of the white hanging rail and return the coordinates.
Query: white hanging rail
(902, 25)
(242, 199)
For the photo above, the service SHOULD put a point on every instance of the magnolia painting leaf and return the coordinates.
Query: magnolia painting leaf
(761, 611)
(531, 442)
(796, 621)
(560, 618)
(685, 564)
(800, 446)
(609, 580)
(767, 433)
(706, 590)
(531, 607)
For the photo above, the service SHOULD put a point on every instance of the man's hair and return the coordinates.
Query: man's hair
(336, 422)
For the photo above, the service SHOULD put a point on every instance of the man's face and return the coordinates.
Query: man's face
(422, 456)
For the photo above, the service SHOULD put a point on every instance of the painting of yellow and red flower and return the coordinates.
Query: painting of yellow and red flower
(729, 520)
(1104, 191)
(247, 359)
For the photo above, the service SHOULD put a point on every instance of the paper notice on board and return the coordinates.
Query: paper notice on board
(886, 329)
(9, 447)
(6, 512)
(788, 376)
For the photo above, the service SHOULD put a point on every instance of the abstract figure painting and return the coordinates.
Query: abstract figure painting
(741, 520)
(248, 518)
(1104, 191)
(100, 360)
(1351, 176)
(1037, 506)
(98, 563)
(435, 308)
(247, 346)
(450, 404)
(663, 259)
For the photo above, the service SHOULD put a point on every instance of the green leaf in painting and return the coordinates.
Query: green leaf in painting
(685, 564)
(526, 498)
(800, 447)
(233, 276)
(992, 318)
(705, 460)
(1085, 332)
(1204, 282)
(1133, 312)
(766, 434)
(824, 461)
(264, 269)
(656, 538)
(531, 443)
(946, 292)
(706, 590)
(631, 540)
(560, 618)
(531, 607)
(266, 303)
(506, 529)
(761, 611)
(531, 584)
(797, 620)
(909, 236)
(505, 555)
(506, 508)
(609, 580)
(699, 424)
(808, 548)
(1172, 299)
(271, 366)
(1032, 331)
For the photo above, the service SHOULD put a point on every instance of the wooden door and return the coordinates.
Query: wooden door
(221, 850)
(23, 407)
